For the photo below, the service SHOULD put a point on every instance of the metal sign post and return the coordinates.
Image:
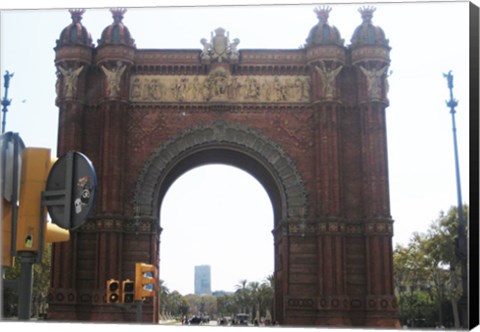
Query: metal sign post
(138, 308)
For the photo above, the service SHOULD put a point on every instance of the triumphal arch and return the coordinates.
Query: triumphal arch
(307, 123)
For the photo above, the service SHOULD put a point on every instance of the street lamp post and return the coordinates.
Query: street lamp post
(461, 242)
(5, 101)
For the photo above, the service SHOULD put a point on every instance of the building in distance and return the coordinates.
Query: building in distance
(203, 280)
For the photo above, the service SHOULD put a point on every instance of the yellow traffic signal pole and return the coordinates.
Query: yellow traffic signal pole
(30, 223)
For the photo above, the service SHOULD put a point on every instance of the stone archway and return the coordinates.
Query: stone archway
(234, 145)
(303, 122)
(231, 144)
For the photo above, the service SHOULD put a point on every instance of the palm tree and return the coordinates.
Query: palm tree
(265, 295)
(163, 292)
(253, 288)
(242, 284)
(242, 294)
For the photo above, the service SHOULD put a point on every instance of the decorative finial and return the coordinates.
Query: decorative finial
(449, 78)
(323, 13)
(76, 14)
(118, 13)
(367, 13)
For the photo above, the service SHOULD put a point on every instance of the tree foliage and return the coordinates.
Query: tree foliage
(251, 297)
(41, 285)
(427, 274)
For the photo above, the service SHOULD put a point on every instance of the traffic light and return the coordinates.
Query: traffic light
(36, 164)
(113, 291)
(128, 291)
(35, 168)
(145, 280)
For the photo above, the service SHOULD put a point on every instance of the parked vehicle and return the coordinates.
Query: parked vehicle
(242, 319)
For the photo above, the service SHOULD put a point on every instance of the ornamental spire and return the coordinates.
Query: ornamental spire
(367, 13)
(117, 14)
(322, 13)
(76, 14)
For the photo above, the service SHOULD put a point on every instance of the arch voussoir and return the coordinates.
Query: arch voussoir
(246, 140)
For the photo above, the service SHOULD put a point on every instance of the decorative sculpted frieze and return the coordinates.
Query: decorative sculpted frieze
(329, 228)
(219, 85)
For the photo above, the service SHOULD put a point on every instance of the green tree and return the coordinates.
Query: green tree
(163, 292)
(177, 306)
(440, 247)
(254, 300)
(242, 296)
(40, 288)
(427, 272)
(226, 305)
(266, 299)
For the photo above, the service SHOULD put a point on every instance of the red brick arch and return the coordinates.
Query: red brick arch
(308, 124)
(230, 144)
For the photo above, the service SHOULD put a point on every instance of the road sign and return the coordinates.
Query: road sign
(12, 148)
(70, 191)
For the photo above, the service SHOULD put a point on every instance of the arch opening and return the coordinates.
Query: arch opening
(229, 156)
(217, 215)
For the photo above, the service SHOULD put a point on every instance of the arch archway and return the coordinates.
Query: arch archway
(321, 157)
(233, 145)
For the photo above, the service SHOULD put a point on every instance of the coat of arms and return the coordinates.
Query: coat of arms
(219, 48)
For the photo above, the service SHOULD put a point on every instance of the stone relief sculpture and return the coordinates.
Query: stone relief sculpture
(180, 89)
(328, 79)
(234, 54)
(219, 48)
(113, 79)
(253, 89)
(153, 89)
(205, 55)
(280, 90)
(374, 81)
(219, 86)
(136, 88)
(70, 80)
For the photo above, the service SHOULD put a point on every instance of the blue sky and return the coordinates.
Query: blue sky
(427, 40)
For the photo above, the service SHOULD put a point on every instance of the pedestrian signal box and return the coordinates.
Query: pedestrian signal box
(145, 280)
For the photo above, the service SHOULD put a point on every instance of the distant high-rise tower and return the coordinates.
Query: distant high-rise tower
(202, 280)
